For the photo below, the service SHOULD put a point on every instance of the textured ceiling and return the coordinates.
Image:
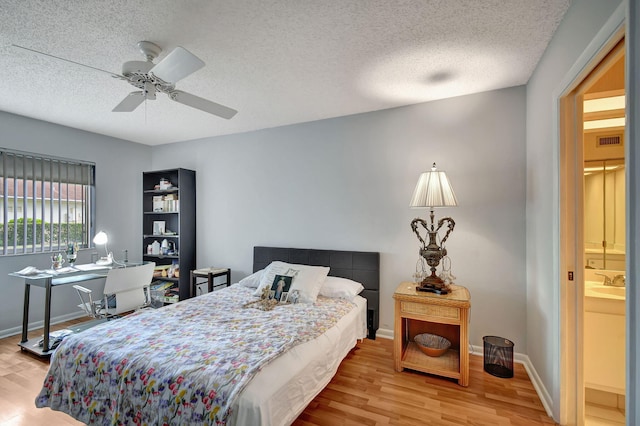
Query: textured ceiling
(277, 62)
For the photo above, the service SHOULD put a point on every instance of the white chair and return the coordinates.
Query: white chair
(125, 289)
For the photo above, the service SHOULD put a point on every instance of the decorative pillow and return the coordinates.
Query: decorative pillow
(307, 280)
(340, 288)
(253, 280)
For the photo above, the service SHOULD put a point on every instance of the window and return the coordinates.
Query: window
(47, 203)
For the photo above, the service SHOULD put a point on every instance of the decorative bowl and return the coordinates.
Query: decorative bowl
(432, 344)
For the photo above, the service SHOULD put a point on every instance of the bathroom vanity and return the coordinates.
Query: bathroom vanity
(604, 337)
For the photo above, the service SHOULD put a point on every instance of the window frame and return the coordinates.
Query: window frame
(38, 180)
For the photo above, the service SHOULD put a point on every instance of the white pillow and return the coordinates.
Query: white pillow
(306, 279)
(253, 280)
(340, 288)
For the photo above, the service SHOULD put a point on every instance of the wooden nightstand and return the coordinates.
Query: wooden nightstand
(210, 274)
(445, 315)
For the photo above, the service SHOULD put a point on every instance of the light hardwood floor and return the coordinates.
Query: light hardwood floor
(365, 391)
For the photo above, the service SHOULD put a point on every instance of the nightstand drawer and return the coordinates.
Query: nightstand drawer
(430, 310)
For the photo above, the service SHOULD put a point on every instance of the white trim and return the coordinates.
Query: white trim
(384, 333)
(541, 390)
(593, 52)
(40, 324)
(565, 410)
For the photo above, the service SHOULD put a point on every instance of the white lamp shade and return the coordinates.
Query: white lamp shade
(100, 238)
(433, 190)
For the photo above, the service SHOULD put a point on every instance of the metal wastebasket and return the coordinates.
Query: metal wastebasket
(498, 356)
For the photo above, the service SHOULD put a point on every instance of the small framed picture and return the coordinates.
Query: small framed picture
(280, 288)
(158, 227)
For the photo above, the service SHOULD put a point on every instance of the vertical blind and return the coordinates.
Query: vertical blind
(47, 202)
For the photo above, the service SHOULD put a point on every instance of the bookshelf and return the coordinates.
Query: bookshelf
(169, 224)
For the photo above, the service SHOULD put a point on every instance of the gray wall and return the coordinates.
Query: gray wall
(579, 26)
(345, 183)
(119, 166)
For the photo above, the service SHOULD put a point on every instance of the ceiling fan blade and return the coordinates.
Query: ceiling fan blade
(202, 104)
(177, 65)
(131, 102)
(67, 60)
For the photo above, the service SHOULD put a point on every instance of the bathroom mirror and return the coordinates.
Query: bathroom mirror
(604, 214)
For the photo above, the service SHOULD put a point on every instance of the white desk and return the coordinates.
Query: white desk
(49, 281)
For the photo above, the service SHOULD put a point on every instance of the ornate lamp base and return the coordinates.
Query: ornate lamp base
(433, 253)
(433, 284)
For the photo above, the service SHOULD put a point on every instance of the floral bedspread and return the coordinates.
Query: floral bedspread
(179, 365)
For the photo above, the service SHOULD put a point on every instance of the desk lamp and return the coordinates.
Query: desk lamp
(433, 190)
(100, 239)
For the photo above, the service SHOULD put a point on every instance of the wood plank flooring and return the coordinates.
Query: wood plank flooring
(21, 377)
(365, 391)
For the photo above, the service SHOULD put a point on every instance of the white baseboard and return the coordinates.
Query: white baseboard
(40, 324)
(542, 392)
(520, 358)
(384, 333)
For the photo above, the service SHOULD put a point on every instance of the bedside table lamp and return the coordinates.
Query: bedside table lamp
(433, 190)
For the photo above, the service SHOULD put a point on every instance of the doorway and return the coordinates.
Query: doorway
(592, 230)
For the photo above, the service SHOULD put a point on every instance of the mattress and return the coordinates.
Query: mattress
(273, 398)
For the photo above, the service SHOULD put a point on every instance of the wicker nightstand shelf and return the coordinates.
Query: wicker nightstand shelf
(445, 315)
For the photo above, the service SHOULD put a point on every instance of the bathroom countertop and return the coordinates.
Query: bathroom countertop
(603, 298)
(597, 289)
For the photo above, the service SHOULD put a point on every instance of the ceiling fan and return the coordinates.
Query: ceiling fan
(162, 77)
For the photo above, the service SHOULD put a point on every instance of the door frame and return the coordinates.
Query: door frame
(571, 233)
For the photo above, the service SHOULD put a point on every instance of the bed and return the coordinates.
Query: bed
(213, 360)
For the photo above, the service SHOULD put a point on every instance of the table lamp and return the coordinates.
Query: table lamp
(102, 239)
(433, 190)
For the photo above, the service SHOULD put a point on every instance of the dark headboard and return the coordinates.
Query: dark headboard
(360, 266)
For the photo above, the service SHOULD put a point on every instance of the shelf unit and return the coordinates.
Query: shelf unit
(445, 315)
(175, 205)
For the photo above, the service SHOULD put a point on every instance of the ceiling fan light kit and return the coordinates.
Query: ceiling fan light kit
(162, 77)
